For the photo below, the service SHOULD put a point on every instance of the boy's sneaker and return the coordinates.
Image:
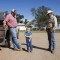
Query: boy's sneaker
(52, 51)
(31, 51)
(49, 49)
(28, 51)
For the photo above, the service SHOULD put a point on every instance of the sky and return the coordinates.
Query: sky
(23, 7)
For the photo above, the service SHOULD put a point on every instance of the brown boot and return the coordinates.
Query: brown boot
(20, 48)
(0, 49)
(17, 49)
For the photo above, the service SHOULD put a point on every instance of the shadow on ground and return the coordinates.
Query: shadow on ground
(35, 47)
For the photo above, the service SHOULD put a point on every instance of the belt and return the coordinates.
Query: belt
(12, 27)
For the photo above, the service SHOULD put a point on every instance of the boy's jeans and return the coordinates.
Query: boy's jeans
(51, 39)
(14, 37)
(29, 44)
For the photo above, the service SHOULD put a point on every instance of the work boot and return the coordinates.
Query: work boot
(17, 49)
(0, 49)
(20, 48)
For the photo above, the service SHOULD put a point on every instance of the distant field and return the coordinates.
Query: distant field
(39, 31)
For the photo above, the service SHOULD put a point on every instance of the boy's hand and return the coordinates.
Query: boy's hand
(29, 40)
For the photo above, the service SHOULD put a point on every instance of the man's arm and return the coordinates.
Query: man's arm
(55, 24)
(5, 21)
(55, 19)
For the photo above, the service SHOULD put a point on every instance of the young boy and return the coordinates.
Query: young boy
(28, 35)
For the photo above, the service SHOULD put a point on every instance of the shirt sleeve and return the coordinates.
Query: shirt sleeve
(55, 20)
(30, 33)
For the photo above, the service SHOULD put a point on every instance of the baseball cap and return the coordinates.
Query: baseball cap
(13, 10)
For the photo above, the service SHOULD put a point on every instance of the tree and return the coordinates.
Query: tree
(40, 15)
(6, 13)
(31, 23)
(3, 14)
(18, 17)
(25, 21)
(58, 18)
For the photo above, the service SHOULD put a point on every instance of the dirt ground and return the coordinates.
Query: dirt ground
(40, 45)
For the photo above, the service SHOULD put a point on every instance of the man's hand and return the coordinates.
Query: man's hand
(5, 26)
(53, 29)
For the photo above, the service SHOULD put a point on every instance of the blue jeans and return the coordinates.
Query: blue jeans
(14, 37)
(51, 39)
(29, 44)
